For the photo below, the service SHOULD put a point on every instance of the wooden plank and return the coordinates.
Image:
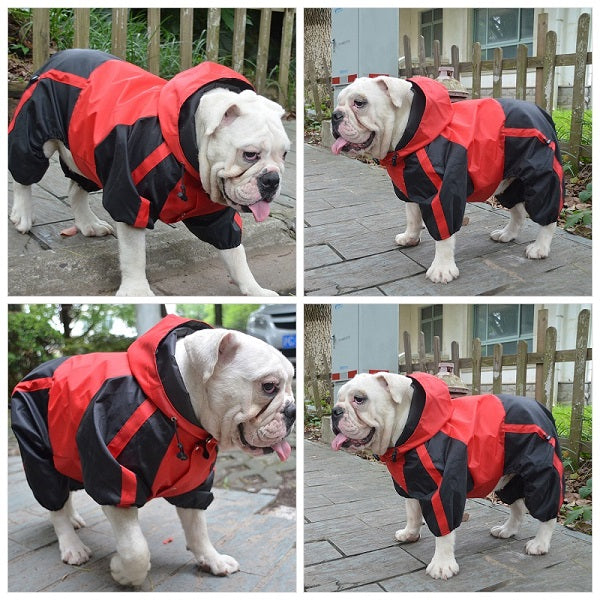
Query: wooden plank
(549, 72)
(239, 40)
(213, 30)
(119, 32)
(407, 352)
(407, 57)
(542, 30)
(521, 83)
(422, 360)
(548, 368)
(476, 366)
(186, 36)
(41, 36)
(455, 61)
(436, 353)
(521, 376)
(476, 85)
(497, 370)
(81, 35)
(578, 104)
(262, 55)
(542, 325)
(285, 55)
(497, 74)
(421, 55)
(437, 56)
(154, 40)
(455, 353)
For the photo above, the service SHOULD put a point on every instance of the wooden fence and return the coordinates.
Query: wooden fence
(41, 40)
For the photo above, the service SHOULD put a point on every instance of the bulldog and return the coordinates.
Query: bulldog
(441, 155)
(200, 148)
(132, 426)
(441, 451)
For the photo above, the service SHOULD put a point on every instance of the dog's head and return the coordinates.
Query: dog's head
(371, 411)
(242, 146)
(241, 390)
(371, 115)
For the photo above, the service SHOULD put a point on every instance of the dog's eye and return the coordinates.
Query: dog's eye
(360, 399)
(360, 103)
(251, 156)
(270, 388)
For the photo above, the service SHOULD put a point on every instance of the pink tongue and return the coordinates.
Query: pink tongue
(340, 438)
(283, 450)
(260, 210)
(338, 145)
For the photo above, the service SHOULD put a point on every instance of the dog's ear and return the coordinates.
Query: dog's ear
(222, 110)
(398, 386)
(210, 347)
(396, 89)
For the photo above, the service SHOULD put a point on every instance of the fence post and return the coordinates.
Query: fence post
(542, 30)
(119, 32)
(521, 89)
(213, 28)
(421, 55)
(521, 377)
(583, 29)
(549, 68)
(583, 325)
(497, 370)
(455, 353)
(154, 40)
(407, 57)
(476, 376)
(407, 352)
(81, 35)
(497, 73)
(41, 36)
(186, 34)
(239, 40)
(437, 57)
(454, 53)
(476, 61)
(262, 55)
(548, 368)
(542, 325)
(422, 360)
(436, 353)
(287, 31)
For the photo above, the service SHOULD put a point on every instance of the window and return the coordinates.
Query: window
(504, 324)
(431, 324)
(431, 28)
(504, 28)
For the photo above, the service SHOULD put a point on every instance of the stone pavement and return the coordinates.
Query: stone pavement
(352, 215)
(352, 511)
(44, 263)
(252, 518)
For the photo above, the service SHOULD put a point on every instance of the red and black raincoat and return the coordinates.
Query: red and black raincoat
(119, 424)
(453, 153)
(454, 449)
(131, 133)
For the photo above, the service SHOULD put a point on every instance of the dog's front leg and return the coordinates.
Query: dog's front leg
(22, 210)
(239, 271)
(193, 521)
(443, 565)
(443, 269)
(132, 562)
(414, 521)
(132, 258)
(414, 224)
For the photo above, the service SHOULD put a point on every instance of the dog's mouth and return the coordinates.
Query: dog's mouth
(260, 210)
(281, 448)
(343, 441)
(342, 145)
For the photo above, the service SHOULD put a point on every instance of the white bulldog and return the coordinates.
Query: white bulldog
(438, 165)
(240, 390)
(229, 152)
(397, 418)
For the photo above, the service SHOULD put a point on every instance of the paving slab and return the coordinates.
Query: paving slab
(44, 263)
(352, 511)
(351, 216)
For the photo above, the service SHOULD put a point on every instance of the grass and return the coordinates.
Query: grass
(562, 417)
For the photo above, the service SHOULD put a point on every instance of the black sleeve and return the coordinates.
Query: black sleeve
(220, 229)
(200, 498)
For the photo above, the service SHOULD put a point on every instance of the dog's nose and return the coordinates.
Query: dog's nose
(337, 411)
(268, 184)
(337, 116)
(289, 412)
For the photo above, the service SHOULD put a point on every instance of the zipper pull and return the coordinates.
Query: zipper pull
(181, 455)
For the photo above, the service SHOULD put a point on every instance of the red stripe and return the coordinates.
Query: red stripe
(528, 428)
(436, 500)
(335, 80)
(143, 213)
(128, 487)
(153, 159)
(352, 374)
(372, 75)
(335, 377)
(33, 385)
(140, 415)
(238, 219)
(352, 77)
(373, 371)
(436, 203)
(60, 76)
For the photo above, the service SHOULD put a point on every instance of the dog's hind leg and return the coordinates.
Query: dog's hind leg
(414, 521)
(72, 550)
(513, 523)
(540, 544)
(414, 224)
(85, 220)
(22, 211)
(511, 230)
(541, 247)
(193, 521)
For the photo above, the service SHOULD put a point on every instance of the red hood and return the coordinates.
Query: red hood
(179, 133)
(152, 362)
(430, 410)
(436, 116)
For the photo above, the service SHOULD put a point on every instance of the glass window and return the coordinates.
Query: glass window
(431, 324)
(504, 324)
(431, 28)
(503, 28)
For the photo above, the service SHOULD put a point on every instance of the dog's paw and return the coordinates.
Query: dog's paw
(218, 564)
(503, 235)
(21, 222)
(536, 547)
(407, 536)
(442, 569)
(536, 251)
(133, 573)
(142, 289)
(405, 240)
(76, 520)
(96, 228)
(75, 553)
(257, 291)
(442, 273)
(503, 531)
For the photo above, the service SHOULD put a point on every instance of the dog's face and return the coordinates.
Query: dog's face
(371, 411)
(241, 390)
(242, 146)
(371, 115)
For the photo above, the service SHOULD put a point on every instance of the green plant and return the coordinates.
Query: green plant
(580, 215)
(581, 513)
